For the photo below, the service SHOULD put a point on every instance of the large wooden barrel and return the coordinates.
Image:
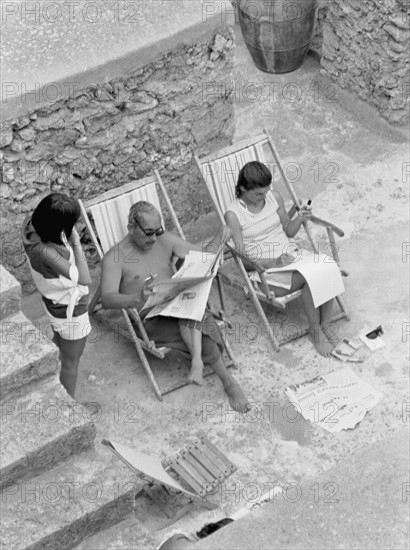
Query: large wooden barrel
(277, 33)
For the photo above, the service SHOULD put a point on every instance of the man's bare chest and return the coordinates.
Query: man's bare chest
(136, 266)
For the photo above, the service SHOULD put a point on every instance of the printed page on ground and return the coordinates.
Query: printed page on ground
(336, 401)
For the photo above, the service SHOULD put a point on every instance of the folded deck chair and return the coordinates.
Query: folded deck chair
(196, 472)
(220, 173)
(109, 213)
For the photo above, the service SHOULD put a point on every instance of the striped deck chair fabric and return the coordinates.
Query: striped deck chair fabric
(220, 172)
(111, 215)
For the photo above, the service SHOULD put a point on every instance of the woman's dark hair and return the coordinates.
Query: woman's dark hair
(55, 213)
(253, 174)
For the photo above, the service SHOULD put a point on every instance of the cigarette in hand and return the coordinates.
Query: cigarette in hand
(151, 277)
(309, 202)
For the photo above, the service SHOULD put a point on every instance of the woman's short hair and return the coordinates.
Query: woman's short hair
(254, 174)
(55, 213)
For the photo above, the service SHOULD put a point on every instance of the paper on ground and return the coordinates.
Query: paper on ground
(336, 401)
(321, 273)
(191, 303)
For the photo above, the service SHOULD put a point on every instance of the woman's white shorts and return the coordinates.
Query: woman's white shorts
(77, 328)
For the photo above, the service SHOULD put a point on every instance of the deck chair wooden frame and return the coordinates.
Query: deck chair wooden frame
(107, 235)
(196, 471)
(219, 171)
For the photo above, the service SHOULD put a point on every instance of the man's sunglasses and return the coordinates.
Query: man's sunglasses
(150, 232)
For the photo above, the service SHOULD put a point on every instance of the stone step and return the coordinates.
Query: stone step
(41, 430)
(362, 502)
(129, 534)
(10, 294)
(60, 508)
(27, 357)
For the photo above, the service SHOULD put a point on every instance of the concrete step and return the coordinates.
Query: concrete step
(27, 357)
(129, 534)
(41, 430)
(10, 294)
(60, 508)
(361, 503)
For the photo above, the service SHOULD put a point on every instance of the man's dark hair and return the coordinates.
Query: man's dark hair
(55, 213)
(253, 174)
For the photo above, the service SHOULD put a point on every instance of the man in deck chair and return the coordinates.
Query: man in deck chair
(148, 249)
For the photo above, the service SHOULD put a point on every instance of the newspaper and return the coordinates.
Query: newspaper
(186, 294)
(320, 271)
(336, 401)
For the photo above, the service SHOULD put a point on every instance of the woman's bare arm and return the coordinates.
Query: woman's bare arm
(52, 257)
(291, 227)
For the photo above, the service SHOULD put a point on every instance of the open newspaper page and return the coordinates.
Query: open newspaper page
(168, 289)
(336, 401)
(192, 284)
(320, 271)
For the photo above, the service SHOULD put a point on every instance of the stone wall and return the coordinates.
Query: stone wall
(317, 40)
(366, 51)
(117, 131)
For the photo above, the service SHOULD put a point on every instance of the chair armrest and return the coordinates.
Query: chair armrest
(318, 221)
(336, 229)
(255, 265)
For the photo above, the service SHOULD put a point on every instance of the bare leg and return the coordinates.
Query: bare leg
(329, 329)
(236, 397)
(192, 338)
(316, 334)
(70, 354)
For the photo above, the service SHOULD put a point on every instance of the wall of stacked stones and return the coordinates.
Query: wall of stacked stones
(365, 47)
(111, 133)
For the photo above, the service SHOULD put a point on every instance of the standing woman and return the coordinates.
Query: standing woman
(61, 275)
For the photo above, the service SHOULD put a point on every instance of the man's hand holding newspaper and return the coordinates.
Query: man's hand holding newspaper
(185, 295)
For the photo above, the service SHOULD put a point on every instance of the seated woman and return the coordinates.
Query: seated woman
(260, 229)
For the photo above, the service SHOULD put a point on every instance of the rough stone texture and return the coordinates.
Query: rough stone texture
(60, 508)
(10, 294)
(40, 430)
(365, 49)
(317, 40)
(27, 357)
(116, 131)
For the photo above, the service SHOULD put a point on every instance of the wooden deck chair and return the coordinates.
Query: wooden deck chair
(196, 472)
(109, 212)
(220, 172)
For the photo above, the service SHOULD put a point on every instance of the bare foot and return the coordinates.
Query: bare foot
(320, 341)
(237, 399)
(196, 374)
(330, 330)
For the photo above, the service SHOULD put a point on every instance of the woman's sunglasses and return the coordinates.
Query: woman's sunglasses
(150, 232)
